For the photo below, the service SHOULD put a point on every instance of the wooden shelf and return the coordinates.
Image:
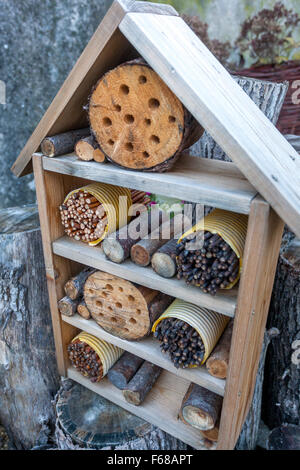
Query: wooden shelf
(209, 182)
(94, 257)
(160, 407)
(149, 350)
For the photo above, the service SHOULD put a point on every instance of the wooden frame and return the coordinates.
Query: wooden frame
(249, 305)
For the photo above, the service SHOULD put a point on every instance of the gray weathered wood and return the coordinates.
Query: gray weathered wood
(221, 106)
(268, 96)
(28, 374)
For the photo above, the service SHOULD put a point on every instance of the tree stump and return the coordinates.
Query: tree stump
(28, 374)
(138, 121)
(85, 420)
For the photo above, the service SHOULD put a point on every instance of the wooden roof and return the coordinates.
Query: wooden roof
(158, 34)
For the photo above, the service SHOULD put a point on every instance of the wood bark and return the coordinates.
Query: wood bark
(62, 144)
(212, 434)
(141, 384)
(282, 380)
(141, 252)
(164, 260)
(83, 311)
(142, 106)
(74, 287)
(217, 363)
(85, 420)
(28, 373)
(286, 437)
(67, 306)
(85, 148)
(124, 370)
(122, 308)
(117, 246)
(201, 408)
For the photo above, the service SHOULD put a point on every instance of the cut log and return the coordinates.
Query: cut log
(67, 306)
(141, 384)
(141, 252)
(85, 148)
(85, 420)
(212, 434)
(99, 156)
(74, 287)
(62, 144)
(164, 260)
(117, 246)
(83, 311)
(201, 408)
(123, 371)
(122, 308)
(137, 120)
(28, 371)
(217, 363)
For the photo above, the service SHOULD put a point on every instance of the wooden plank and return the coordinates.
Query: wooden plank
(160, 408)
(224, 302)
(149, 350)
(260, 260)
(209, 92)
(209, 182)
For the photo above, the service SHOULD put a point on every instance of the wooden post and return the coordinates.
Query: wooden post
(260, 260)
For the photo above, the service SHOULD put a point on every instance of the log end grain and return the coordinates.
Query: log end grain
(164, 265)
(140, 255)
(113, 250)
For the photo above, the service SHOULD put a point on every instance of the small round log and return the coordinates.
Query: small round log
(138, 121)
(85, 148)
(164, 260)
(142, 383)
(217, 363)
(124, 370)
(61, 144)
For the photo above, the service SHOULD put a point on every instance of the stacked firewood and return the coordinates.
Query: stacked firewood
(181, 342)
(134, 376)
(84, 217)
(211, 267)
(74, 302)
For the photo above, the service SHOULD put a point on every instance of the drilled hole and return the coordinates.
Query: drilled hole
(99, 303)
(91, 291)
(110, 309)
(131, 298)
(146, 155)
(138, 311)
(132, 321)
(148, 122)
(109, 287)
(154, 103)
(172, 119)
(104, 294)
(124, 89)
(114, 320)
(107, 122)
(129, 147)
(111, 142)
(129, 119)
(121, 289)
(118, 108)
(142, 79)
(126, 329)
(118, 305)
(155, 139)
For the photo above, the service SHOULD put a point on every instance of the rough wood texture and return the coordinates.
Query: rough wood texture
(61, 144)
(122, 308)
(137, 121)
(83, 311)
(141, 384)
(141, 252)
(268, 96)
(117, 246)
(222, 107)
(87, 421)
(201, 408)
(74, 287)
(217, 363)
(164, 260)
(286, 437)
(123, 371)
(85, 149)
(67, 306)
(281, 392)
(28, 373)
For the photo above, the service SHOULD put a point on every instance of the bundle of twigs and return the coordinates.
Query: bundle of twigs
(84, 217)
(181, 342)
(85, 360)
(210, 265)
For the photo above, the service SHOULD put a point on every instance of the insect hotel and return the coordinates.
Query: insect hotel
(168, 330)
